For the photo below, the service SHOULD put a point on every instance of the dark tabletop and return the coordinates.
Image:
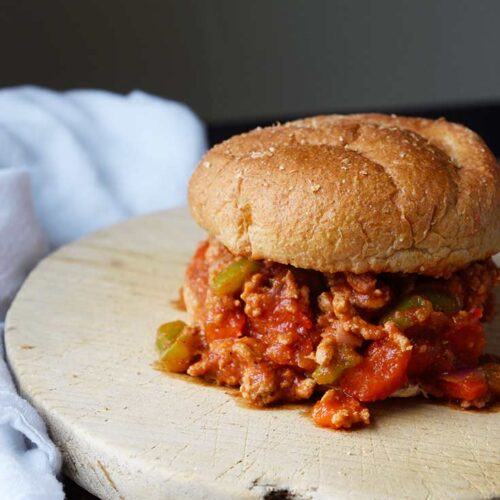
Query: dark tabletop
(75, 492)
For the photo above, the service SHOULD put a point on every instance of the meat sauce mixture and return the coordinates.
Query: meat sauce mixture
(283, 334)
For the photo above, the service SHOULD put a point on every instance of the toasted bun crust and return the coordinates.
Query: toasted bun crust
(357, 193)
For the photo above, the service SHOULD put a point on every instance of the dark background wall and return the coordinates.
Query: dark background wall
(234, 60)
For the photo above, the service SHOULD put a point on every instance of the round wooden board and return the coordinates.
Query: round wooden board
(80, 340)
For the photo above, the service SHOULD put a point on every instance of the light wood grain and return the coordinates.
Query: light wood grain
(80, 340)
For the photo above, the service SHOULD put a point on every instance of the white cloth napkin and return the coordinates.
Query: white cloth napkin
(91, 158)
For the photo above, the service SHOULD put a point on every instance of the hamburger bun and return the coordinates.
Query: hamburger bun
(358, 193)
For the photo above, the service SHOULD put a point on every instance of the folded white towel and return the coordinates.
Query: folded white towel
(22, 242)
(96, 157)
(28, 459)
(92, 158)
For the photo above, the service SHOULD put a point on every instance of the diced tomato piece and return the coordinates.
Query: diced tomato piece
(492, 372)
(281, 315)
(465, 385)
(381, 372)
(197, 273)
(230, 325)
(476, 312)
(285, 325)
(459, 344)
(466, 337)
(339, 411)
(281, 354)
(430, 356)
(303, 353)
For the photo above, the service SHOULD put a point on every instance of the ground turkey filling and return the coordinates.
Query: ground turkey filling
(283, 334)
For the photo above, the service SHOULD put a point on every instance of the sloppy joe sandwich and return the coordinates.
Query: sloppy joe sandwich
(348, 260)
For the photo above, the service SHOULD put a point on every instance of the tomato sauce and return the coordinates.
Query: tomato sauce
(282, 325)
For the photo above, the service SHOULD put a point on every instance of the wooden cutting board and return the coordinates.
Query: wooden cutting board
(80, 338)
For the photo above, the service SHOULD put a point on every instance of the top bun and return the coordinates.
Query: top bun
(366, 192)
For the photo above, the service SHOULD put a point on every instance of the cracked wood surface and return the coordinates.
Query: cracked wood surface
(89, 314)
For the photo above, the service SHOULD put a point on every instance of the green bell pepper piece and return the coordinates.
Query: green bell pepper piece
(167, 334)
(231, 279)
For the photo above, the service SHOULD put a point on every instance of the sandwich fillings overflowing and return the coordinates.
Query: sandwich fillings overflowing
(348, 261)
